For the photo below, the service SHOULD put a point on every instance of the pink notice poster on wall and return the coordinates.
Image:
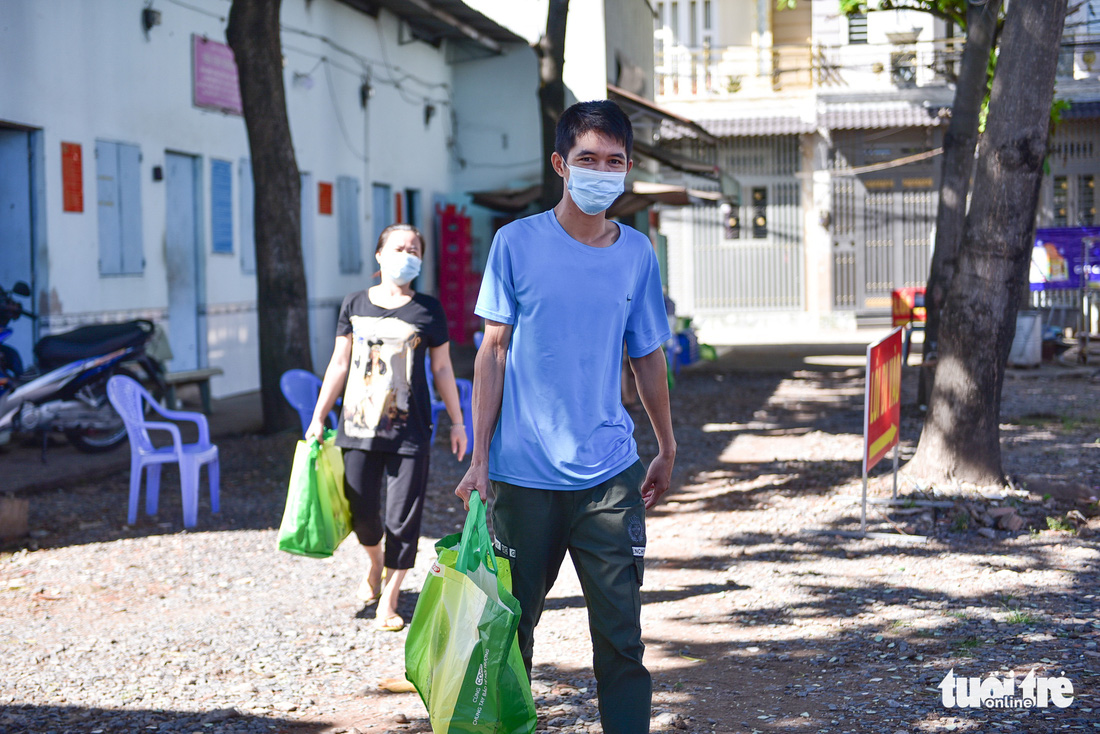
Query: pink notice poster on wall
(214, 73)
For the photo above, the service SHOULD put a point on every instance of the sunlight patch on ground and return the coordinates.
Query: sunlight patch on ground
(719, 486)
(816, 446)
(836, 360)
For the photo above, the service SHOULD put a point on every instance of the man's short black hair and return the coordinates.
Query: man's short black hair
(600, 116)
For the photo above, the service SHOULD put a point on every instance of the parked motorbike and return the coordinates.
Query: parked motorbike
(66, 390)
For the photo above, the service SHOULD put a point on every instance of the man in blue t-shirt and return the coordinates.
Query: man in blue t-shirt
(562, 292)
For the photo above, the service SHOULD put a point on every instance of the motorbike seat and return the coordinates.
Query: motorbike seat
(85, 342)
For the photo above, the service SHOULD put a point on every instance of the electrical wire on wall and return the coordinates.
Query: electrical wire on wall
(339, 117)
(414, 90)
(381, 69)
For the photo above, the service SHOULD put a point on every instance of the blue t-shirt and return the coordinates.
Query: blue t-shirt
(571, 306)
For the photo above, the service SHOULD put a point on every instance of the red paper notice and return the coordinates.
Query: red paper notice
(72, 177)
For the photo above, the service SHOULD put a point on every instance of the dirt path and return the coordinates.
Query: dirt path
(754, 621)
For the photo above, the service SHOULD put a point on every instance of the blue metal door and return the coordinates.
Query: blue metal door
(15, 230)
(182, 256)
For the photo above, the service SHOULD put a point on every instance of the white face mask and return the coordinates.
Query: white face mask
(400, 267)
(594, 191)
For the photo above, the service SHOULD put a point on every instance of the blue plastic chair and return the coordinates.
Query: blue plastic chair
(465, 401)
(301, 389)
(672, 354)
(129, 399)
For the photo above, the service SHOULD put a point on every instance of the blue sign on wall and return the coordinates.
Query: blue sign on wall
(221, 205)
(1062, 255)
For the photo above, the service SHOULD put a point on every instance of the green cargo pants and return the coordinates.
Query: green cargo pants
(603, 528)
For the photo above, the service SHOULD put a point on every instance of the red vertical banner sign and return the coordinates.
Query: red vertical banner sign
(324, 198)
(882, 406)
(881, 409)
(72, 178)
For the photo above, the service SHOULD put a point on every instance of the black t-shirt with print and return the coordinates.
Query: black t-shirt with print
(387, 406)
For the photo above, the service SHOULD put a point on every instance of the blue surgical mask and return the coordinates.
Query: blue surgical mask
(400, 267)
(594, 191)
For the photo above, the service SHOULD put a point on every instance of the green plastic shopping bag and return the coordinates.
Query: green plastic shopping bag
(461, 652)
(317, 516)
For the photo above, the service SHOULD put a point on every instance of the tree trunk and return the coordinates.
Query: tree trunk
(282, 307)
(958, 164)
(551, 51)
(961, 437)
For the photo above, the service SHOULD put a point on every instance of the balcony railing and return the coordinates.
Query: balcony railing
(751, 71)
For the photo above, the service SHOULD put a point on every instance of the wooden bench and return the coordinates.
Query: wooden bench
(200, 377)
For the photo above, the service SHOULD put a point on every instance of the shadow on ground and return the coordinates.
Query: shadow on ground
(74, 719)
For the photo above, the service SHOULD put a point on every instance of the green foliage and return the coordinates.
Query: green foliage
(1070, 423)
(1057, 110)
(960, 523)
(1019, 617)
(953, 10)
(1060, 524)
(1060, 107)
(965, 648)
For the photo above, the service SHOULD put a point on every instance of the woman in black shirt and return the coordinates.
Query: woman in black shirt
(382, 337)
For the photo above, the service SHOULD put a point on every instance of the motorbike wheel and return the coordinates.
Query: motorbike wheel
(101, 440)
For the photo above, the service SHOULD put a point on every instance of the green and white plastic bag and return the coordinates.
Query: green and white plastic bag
(462, 653)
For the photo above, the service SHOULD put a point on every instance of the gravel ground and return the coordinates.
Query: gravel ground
(754, 620)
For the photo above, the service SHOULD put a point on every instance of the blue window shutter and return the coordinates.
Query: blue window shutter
(110, 236)
(248, 236)
(382, 211)
(221, 206)
(347, 203)
(129, 198)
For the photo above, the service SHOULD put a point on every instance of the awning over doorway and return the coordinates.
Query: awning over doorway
(664, 122)
(637, 108)
(645, 193)
(433, 21)
(640, 195)
(508, 201)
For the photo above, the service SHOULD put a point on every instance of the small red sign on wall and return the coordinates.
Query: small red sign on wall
(324, 198)
(72, 177)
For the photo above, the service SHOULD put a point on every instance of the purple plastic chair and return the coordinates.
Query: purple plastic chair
(129, 399)
(301, 389)
(465, 401)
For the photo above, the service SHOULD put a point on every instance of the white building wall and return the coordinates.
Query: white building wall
(498, 134)
(585, 38)
(82, 72)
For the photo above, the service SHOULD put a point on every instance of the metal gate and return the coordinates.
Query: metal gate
(761, 273)
(750, 256)
(882, 228)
